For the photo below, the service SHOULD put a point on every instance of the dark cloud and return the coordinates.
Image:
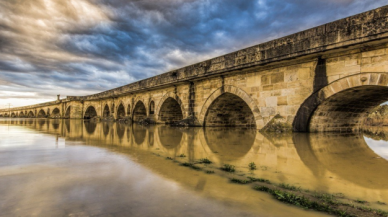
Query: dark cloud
(50, 47)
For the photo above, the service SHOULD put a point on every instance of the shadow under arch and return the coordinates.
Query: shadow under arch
(170, 111)
(139, 112)
(106, 111)
(346, 155)
(55, 113)
(67, 113)
(30, 114)
(121, 111)
(41, 114)
(224, 106)
(229, 143)
(90, 112)
(341, 105)
(139, 133)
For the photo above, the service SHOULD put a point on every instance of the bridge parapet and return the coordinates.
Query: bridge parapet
(350, 31)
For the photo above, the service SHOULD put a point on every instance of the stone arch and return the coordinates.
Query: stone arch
(106, 111)
(41, 114)
(30, 114)
(139, 112)
(170, 111)
(56, 113)
(342, 105)
(21, 114)
(151, 107)
(174, 97)
(67, 113)
(13, 115)
(226, 96)
(90, 112)
(120, 111)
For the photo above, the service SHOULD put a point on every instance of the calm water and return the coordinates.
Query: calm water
(77, 168)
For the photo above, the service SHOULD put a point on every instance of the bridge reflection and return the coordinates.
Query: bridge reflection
(324, 162)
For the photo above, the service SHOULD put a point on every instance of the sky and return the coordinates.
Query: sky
(82, 47)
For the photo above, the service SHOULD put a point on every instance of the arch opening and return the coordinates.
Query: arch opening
(129, 109)
(30, 114)
(56, 113)
(90, 113)
(106, 112)
(120, 111)
(229, 110)
(21, 115)
(346, 110)
(139, 112)
(42, 114)
(152, 108)
(13, 115)
(67, 114)
(170, 111)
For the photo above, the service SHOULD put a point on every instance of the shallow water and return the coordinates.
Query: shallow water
(77, 168)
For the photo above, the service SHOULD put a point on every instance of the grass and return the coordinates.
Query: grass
(289, 187)
(169, 158)
(204, 161)
(328, 198)
(361, 201)
(186, 164)
(259, 180)
(228, 168)
(381, 203)
(252, 166)
(209, 171)
(302, 201)
(182, 155)
(240, 181)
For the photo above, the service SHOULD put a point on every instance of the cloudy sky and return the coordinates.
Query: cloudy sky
(81, 47)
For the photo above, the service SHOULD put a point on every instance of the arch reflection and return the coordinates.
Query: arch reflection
(170, 137)
(347, 156)
(120, 128)
(90, 127)
(139, 133)
(230, 143)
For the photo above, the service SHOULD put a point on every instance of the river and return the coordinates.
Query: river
(54, 167)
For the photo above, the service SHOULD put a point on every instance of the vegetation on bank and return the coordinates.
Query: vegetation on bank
(334, 204)
(378, 116)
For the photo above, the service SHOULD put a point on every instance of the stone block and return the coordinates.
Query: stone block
(277, 77)
(282, 100)
(267, 87)
(373, 53)
(291, 76)
(265, 80)
(304, 73)
(271, 101)
(267, 111)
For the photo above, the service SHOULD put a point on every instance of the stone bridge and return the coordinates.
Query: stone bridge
(321, 79)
